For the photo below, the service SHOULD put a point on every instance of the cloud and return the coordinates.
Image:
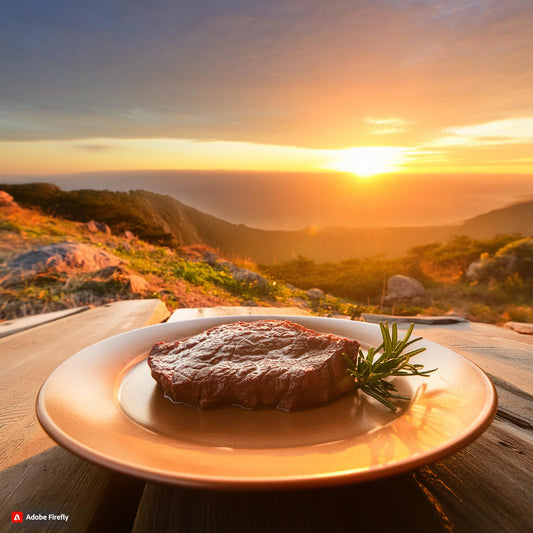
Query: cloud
(507, 131)
(291, 72)
(89, 147)
(386, 126)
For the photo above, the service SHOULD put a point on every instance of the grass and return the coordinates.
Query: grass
(172, 275)
(181, 279)
(441, 267)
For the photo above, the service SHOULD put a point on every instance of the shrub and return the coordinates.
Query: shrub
(518, 313)
(482, 313)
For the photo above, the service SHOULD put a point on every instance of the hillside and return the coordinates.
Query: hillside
(49, 263)
(163, 220)
(517, 218)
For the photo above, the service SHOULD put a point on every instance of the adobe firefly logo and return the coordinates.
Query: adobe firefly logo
(17, 517)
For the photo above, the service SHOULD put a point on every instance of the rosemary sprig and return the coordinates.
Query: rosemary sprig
(370, 371)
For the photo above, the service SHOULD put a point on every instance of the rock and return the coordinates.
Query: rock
(138, 284)
(403, 288)
(315, 293)
(247, 276)
(109, 271)
(95, 227)
(474, 270)
(520, 327)
(243, 274)
(128, 235)
(6, 200)
(63, 257)
(515, 257)
(230, 266)
(211, 258)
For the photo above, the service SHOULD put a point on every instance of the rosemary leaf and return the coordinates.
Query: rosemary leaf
(370, 371)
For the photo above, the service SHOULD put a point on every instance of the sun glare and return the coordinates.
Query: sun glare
(367, 161)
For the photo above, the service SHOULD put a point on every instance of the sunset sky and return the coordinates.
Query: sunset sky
(293, 85)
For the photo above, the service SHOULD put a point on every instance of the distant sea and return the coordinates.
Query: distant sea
(297, 200)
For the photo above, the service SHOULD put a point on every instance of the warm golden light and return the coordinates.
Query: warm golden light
(367, 161)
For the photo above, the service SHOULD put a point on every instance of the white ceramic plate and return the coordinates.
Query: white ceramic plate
(103, 405)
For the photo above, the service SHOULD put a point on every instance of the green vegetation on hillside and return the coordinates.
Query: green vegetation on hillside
(121, 211)
(502, 291)
(488, 280)
(179, 278)
(164, 221)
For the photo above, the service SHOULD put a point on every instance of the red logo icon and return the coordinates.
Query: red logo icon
(17, 517)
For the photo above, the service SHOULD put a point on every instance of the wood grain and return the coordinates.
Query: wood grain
(57, 482)
(8, 327)
(351, 508)
(500, 352)
(28, 358)
(485, 487)
(488, 486)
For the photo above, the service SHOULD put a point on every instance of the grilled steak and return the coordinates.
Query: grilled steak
(267, 363)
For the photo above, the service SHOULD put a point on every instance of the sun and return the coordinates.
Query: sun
(367, 161)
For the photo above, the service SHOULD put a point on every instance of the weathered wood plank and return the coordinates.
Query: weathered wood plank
(8, 327)
(352, 508)
(433, 320)
(28, 358)
(498, 351)
(57, 482)
(488, 486)
(485, 487)
(514, 404)
(201, 312)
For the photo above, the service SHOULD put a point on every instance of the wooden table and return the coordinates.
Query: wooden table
(487, 486)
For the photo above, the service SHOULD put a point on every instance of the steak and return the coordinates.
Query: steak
(266, 363)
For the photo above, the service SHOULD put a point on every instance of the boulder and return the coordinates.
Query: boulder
(243, 274)
(95, 227)
(404, 288)
(63, 257)
(211, 258)
(228, 265)
(515, 257)
(138, 284)
(6, 200)
(475, 270)
(247, 276)
(110, 271)
(315, 294)
(128, 235)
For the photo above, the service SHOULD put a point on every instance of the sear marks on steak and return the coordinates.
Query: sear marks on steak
(266, 363)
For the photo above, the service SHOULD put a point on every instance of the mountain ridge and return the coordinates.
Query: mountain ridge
(165, 220)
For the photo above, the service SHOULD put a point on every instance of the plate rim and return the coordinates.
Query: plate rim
(451, 446)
